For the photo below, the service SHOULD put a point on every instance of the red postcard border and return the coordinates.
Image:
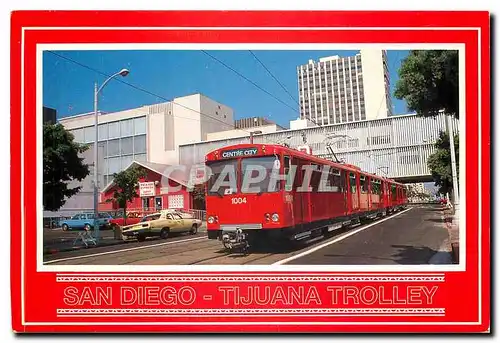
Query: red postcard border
(456, 25)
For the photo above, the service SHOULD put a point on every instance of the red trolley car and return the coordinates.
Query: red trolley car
(295, 196)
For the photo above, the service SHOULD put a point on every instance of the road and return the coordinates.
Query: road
(414, 236)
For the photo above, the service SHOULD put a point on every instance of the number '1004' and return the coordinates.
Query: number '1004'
(235, 201)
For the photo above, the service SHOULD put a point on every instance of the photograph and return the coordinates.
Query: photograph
(317, 157)
(250, 171)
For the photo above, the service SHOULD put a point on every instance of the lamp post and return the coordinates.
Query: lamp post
(253, 133)
(123, 72)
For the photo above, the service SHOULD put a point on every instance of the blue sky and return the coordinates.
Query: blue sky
(68, 87)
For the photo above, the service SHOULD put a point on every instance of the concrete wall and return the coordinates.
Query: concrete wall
(222, 117)
(372, 67)
(241, 132)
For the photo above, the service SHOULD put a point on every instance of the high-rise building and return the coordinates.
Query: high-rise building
(345, 89)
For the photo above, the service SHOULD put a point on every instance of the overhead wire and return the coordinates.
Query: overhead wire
(247, 79)
(274, 77)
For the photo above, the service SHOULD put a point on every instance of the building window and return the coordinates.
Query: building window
(89, 134)
(127, 127)
(103, 132)
(127, 146)
(78, 135)
(176, 201)
(126, 161)
(140, 158)
(114, 130)
(114, 147)
(114, 165)
(140, 125)
(140, 144)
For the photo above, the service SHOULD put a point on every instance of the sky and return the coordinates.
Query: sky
(68, 81)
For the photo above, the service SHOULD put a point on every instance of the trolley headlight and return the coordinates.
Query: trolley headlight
(211, 220)
(275, 217)
(267, 216)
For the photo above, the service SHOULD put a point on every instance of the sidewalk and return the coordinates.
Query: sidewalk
(67, 245)
(56, 241)
(452, 224)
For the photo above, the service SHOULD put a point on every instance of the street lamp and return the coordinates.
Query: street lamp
(123, 72)
(254, 133)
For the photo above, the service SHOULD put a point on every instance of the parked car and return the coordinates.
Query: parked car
(132, 218)
(161, 224)
(86, 221)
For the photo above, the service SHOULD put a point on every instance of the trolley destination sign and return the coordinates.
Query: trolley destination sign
(239, 152)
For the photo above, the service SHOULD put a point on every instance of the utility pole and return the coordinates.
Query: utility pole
(449, 128)
(253, 133)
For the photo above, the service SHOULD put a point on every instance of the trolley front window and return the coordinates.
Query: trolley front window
(223, 178)
(257, 175)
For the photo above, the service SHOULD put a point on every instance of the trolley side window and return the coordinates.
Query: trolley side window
(288, 174)
(223, 178)
(375, 186)
(352, 182)
(363, 180)
(394, 192)
(334, 181)
(315, 177)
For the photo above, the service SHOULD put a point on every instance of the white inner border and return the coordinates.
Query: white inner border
(39, 102)
(231, 46)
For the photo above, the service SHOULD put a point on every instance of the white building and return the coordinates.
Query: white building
(345, 89)
(298, 124)
(150, 133)
(243, 132)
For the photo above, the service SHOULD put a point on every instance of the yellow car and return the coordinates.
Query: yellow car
(161, 224)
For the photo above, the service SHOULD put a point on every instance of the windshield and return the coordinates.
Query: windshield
(151, 217)
(223, 178)
(257, 175)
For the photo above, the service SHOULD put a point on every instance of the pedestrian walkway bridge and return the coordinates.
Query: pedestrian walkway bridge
(396, 147)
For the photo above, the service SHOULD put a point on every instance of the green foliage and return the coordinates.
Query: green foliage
(428, 82)
(126, 184)
(440, 163)
(62, 164)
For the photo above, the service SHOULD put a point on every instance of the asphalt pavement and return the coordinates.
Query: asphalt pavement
(417, 236)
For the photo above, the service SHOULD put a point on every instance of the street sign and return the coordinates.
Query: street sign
(146, 189)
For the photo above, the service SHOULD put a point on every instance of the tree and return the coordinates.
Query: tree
(199, 197)
(440, 163)
(428, 82)
(126, 183)
(62, 164)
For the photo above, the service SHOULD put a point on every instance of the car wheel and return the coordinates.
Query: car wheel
(141, 238)
(87, 227)
(164, 233)
(65, 227)
(194, 229)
